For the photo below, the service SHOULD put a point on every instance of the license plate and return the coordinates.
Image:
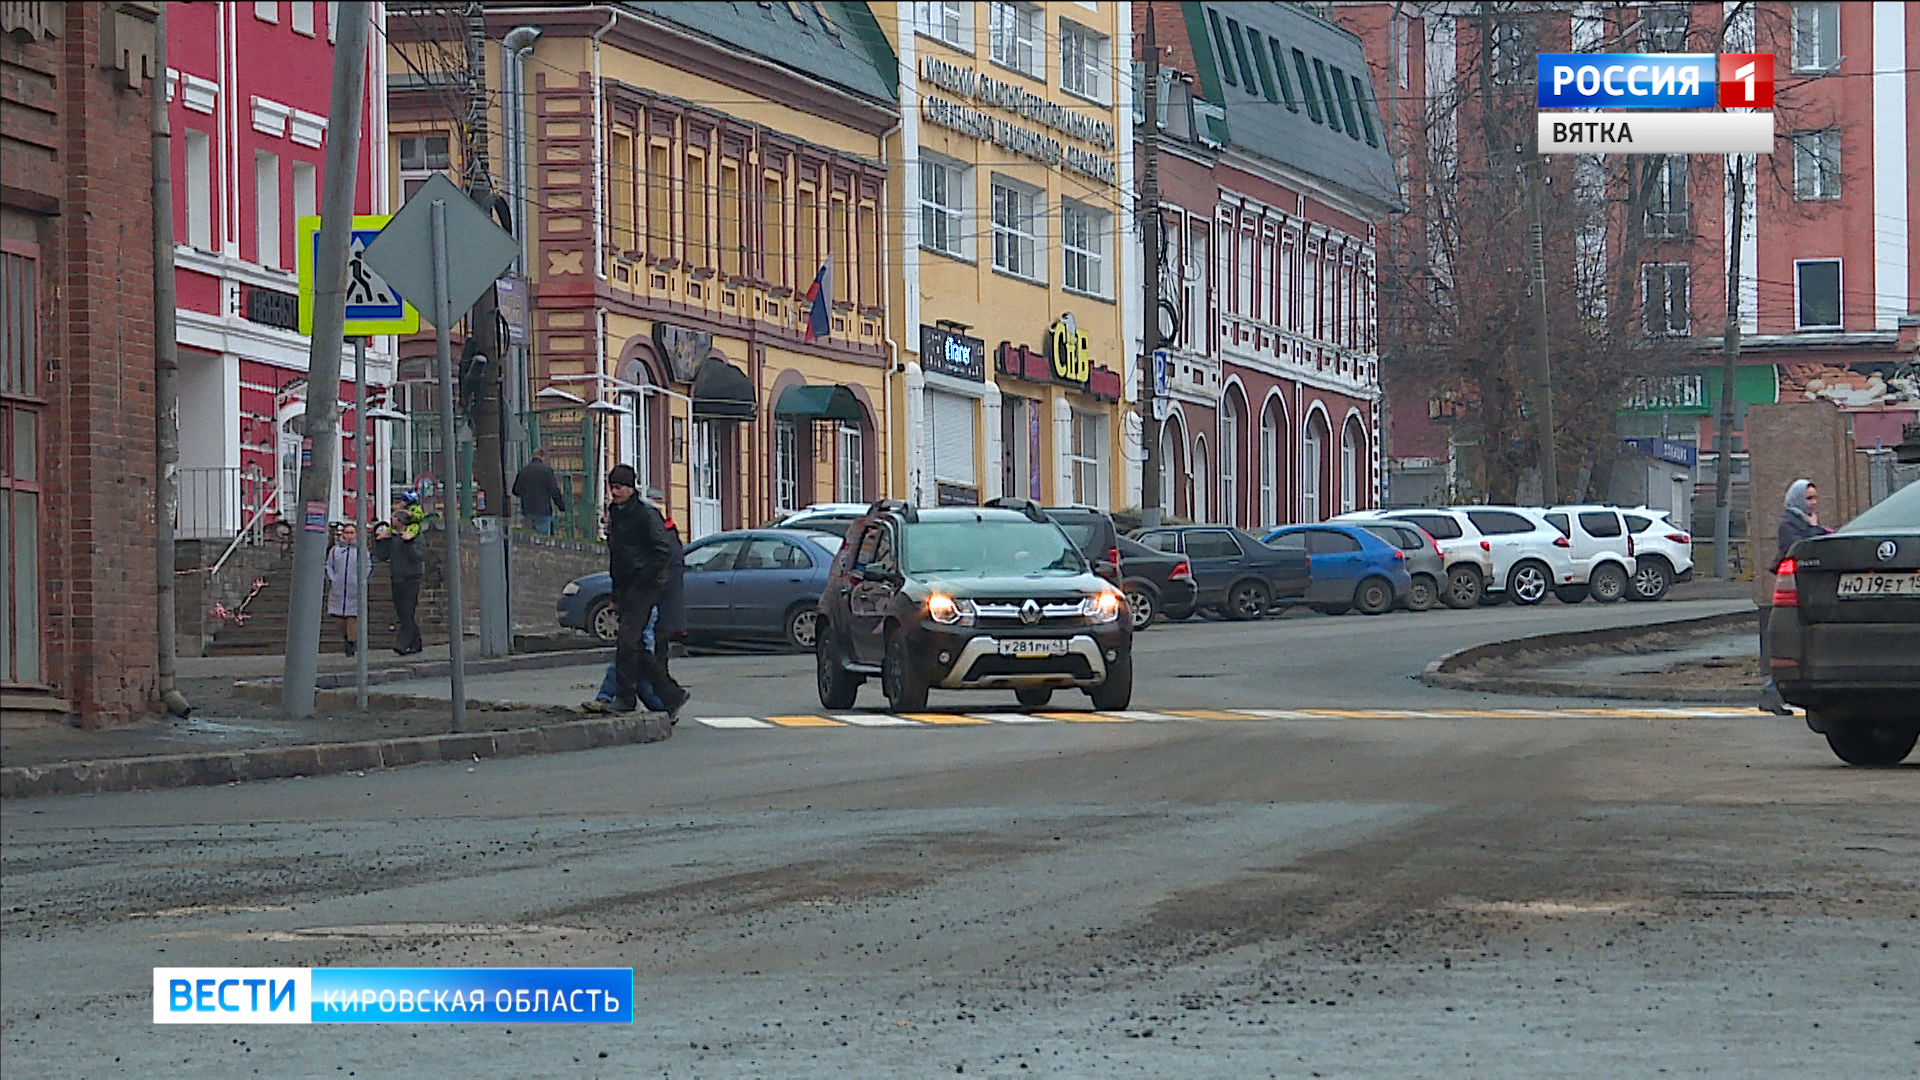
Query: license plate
(1054, 647)
(1874, 586)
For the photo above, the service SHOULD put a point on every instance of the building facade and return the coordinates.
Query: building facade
(249, 87)
(77, 411)
(1014, 308)
(691, 170)
(1273, 173)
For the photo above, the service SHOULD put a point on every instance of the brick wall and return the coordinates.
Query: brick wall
(1789, 441)
(539, 568)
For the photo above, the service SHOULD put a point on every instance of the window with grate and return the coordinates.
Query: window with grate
(1083, 245)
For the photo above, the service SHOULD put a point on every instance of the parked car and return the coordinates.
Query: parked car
(1156, 583)
(1662, 552)
(1090, 529)
(1530, 556)
(1469, 555)
(1425, 565)
(965, 599)
(1350, 566)
(1233, 572)
(1601, 550)
(748, 584)
(1843, 635)
(823, 517)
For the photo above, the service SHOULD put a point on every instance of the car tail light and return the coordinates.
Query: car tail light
(1399, 556)
(1629, 547)
(1436, 548)
(1486, 545)
(1182, 572)
(1786, 590)
(1680, 538)
(1113, 555)
(1561, 541)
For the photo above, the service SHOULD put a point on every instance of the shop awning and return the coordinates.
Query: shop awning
(722, 392)
(834, 402)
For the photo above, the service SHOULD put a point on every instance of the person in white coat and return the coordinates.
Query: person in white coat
(343, 584)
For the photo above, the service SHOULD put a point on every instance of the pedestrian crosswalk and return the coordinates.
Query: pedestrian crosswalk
(1138, 716)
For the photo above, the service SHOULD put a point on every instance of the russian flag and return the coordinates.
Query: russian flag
(819, 297)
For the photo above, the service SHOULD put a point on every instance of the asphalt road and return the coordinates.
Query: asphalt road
(1519, 892)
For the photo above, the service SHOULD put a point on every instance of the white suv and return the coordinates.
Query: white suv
(1602, 550)
(1663, 553)
(1468, 557)
(1530, 557)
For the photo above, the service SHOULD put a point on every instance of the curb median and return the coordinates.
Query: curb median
(1452, 671)
(268, 688)
(320, 759)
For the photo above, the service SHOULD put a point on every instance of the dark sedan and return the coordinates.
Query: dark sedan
(1156, 583)
(1843, 635)
(1233, 571)
(750, 584)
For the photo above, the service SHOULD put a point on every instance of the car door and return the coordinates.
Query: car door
(1284, 565)
(1605, 535)
(1577, 546)
(1335, 561)
(1507, 536)
(1216, 561)
(709, 583)
(771, 574)
(869, 591)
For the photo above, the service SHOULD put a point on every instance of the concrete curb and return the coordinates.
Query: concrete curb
(1449, 671)
(268, 688)
(317, 759)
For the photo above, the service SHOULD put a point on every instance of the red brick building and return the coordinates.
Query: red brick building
(77, 462)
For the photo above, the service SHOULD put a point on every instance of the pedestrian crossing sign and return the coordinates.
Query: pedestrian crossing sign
(373, 306)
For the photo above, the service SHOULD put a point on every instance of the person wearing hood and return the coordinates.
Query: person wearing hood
(1799, 520)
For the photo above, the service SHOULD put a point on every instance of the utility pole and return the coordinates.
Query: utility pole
(480, 368)
(1150, 496)
(322, 417)
(1543, 361)
(166, 371)
(1729, 360)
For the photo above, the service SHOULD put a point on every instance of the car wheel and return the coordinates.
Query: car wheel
(1116, 690)
(1331, 609)
(1651, 579)
(1463, 587)
(838, 686)
(1034, 697)
(1528, 583)
(803, 625)
(903, 679)
(603, 621)
(1569, 594)
(1373, 596)
(1423, 593)
(1869, 746)
(1248, 600)
(1140, 605)
(1608, 583)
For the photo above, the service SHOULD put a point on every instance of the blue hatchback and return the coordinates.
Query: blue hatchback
(1351, 567)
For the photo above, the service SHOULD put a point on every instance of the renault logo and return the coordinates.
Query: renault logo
(1887, 550)
(1029, 613)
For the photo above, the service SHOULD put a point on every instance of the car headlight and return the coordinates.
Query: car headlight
(571, 588)
(1104, 606)
(948, 611)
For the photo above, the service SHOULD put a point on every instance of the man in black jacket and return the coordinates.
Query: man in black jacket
(639, 556)
(398, 543)
(539, 493)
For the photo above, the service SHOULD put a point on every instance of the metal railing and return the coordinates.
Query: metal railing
(209, 506)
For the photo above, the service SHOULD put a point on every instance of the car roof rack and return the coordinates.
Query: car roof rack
(1027, 507)
(905, 509)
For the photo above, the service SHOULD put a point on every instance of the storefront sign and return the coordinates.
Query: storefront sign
(953, 354)
(1024, 141)
(1069, 351)
(271, 308)
(1021, 362)
(683, 348)
(1667, 393)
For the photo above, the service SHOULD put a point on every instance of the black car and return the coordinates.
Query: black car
(1156, 583)
(1844, 632)
(969, 599)
(1233, 571)
(1090, 529)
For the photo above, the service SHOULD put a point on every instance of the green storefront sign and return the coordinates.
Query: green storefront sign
(1695, 393)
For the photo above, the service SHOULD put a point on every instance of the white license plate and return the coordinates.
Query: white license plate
(1874, 586)
(1044, 647)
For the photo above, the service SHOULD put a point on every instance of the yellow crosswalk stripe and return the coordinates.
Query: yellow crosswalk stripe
(944, 718)
(804, 720)
(1087, 717)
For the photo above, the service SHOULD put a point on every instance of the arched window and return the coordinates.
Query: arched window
(1200, 508)
(1313, 469)
(1270, 465)
(1230, 461)
(1349, 469)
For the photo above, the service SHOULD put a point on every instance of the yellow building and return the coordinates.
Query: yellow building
(690, 170)
(1015, 291)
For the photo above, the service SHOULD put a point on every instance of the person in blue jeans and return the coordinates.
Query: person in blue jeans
(609, 693)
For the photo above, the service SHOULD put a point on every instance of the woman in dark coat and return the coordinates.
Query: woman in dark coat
(1799, 520)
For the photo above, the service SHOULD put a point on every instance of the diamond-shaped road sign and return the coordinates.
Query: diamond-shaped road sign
(373, 306)
(477, 249)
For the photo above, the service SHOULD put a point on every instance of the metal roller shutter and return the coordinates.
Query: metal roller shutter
(950, 437)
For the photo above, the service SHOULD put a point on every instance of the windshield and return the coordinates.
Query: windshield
(996, 548)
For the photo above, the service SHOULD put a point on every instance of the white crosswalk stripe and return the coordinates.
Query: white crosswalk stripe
(875, 720)
(730, 721)
(1014, 718)
(1150, 717)
(1321, 713)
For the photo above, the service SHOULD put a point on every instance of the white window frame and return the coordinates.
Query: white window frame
(301, 17)
(1083, 248)
(1840, 295)
(423, 172)
(1665, 326)
(1229, 464)
(1243, 273)
(1015, 33)
(949, 22)
(786, 465)
(306, 190)
(198, 155)
(267, 11)
(850, 480)
(1193, 272)
(1270, 458)
(1816, 47)
(1315, 464)
(1087, 457)
(267, 223)
(1083, 62)
(333, 21)
(1349, 470)
(957, 180)
(1019, 228)
(1202, 513)
(1816, 165)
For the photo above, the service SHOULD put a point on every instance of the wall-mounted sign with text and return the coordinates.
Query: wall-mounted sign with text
(974, 86)
(949, 353)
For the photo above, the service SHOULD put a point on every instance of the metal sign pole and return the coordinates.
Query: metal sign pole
(360, 569)
(450, 457)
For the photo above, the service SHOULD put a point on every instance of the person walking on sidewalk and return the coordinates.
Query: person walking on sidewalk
(399, 546)
(539, 493)
(638, 559)
(343, 585)
(668, 624)
(1799, 520)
